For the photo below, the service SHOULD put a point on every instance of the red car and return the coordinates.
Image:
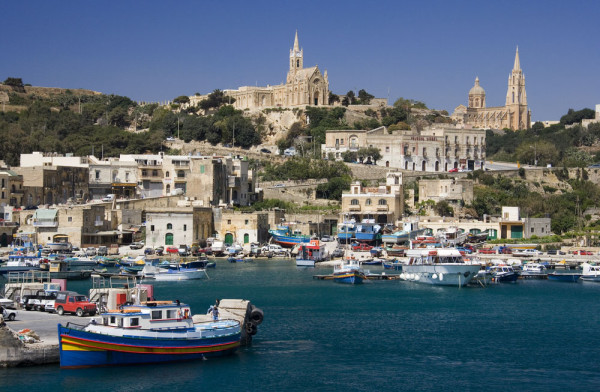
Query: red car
(487, 251)
(172, 250)
(453, 170)
(72, 302)
(362, 247)
(584, 252)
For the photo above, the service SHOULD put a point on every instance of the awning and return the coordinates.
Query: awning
(45, 214)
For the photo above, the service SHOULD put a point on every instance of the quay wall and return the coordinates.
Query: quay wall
(15, 353)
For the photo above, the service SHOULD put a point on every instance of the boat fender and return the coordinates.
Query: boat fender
(403, 276)
(254, 330)
(467, 274)
(441, 276)
(256, 315)
(434, 276)
(417, 277)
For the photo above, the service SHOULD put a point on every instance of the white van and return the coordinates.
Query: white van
(109, 197)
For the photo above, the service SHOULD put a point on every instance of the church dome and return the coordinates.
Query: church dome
(477, 89)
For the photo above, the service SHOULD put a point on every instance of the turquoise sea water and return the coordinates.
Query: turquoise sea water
(379, 336)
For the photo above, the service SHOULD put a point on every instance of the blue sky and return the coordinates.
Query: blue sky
(425, 50)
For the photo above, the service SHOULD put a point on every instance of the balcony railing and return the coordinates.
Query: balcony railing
(45, 223)
(354, 208)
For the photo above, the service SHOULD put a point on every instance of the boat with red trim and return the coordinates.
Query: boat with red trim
(149, 332)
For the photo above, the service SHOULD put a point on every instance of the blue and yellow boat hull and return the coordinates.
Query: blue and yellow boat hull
(79, 348)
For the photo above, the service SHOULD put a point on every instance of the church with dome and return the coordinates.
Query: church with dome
(303, 86)
(513, 115)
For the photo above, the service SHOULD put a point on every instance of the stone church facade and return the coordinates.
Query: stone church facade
(303, 86)
(513, 115)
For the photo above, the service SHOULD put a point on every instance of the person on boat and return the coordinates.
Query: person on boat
(215, 313)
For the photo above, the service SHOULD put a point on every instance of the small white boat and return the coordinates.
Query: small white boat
(534, 271)
(591, 273)
(165, 274)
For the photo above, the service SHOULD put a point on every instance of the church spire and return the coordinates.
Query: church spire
(296, 44)
(517, 66)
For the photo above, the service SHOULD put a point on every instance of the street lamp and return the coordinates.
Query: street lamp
(534, 154)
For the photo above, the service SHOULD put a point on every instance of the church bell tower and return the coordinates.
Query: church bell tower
(296, 56)
(516, 97)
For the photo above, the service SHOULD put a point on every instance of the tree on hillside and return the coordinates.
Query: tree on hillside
(333, 98)
(182, 99)
(573, 116)
(369, 153)
(14, 82)
(364, 97)
(215, 99)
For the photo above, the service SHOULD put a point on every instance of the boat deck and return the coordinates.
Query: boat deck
(381, 276)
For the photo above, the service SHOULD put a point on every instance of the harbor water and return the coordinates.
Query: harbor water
(378, 336)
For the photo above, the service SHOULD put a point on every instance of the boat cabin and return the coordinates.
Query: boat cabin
(151, 315)
(437, 256)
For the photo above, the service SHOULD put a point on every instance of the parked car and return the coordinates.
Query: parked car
(273, 248)
(137, 245)
(464, 250)
(37, 301)
(555, 252)
(487, 251)
(149, 251)
(289, 152)
(183, 250)
(359, 247)
(170, 139)
(326, 238)
(265, 150)
(527, 253)
(279, 186)
(91, 251)
(159, 250)
(172, 250)
(582, 252)
(102, 251)
(72, 302)
(109, 197)
(337, 252)
(9, 315)
(453, 170)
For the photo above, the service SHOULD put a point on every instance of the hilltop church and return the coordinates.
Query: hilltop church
(514, 115)
(303, 86)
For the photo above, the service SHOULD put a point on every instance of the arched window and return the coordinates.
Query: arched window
(368, 202)
(167, 174)
(168, 189)
(169, 226)
(382, 202)
(354, 202)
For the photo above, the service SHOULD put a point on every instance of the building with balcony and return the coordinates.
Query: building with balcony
(11, 188)
(112, 176)
(436, 149)
(384, 204)
(149, 173)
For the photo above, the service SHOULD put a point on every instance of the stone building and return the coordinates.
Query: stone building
(53, 184)
(242, 227)
(79, 225)
(452, 190)
(435, 149)
(11, 188)
(513, 115)
(384, 204)
(178, 225)
(303, 86)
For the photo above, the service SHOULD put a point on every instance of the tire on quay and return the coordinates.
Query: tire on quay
(256, 315)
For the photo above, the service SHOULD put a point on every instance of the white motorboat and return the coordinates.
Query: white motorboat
(534, 271)
(165, 274)
(591, 273)
(445, 266)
